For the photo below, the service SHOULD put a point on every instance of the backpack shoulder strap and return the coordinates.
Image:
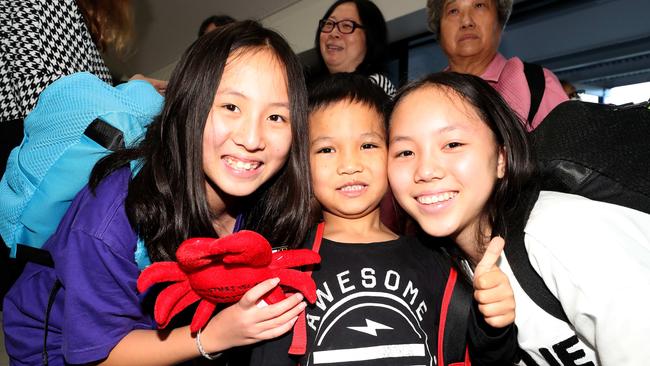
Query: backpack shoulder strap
(515, 249)
(299, 341)
(26, 253)
(105, 135)
(536, 84)
(454, 318)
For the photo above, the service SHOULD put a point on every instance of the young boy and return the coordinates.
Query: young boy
(379, 294)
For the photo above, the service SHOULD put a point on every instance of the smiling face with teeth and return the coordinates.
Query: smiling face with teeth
(443, 162)
(348, 159)
(247, 135)
(343, 52)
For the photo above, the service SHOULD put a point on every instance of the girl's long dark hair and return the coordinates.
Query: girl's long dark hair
(167, 202)
(508, 131)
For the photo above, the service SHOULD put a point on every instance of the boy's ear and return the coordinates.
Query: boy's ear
(502, 162)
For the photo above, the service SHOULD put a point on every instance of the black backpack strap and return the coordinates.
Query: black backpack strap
(515, 249)
(50, 301)
(454, 319)
(40, 256)
(536, 84)
(26, 253)
(105, 135)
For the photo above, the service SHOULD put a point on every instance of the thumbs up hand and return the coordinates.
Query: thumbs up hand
(492, 288)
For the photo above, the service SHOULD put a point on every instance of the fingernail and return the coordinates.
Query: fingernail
(275, 281)
(299, 296)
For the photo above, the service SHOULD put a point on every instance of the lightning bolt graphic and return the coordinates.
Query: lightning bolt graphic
(371, 327)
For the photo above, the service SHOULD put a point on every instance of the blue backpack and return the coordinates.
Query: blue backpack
(78, 120)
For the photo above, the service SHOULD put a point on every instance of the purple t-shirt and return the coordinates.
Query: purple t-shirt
(93, 249)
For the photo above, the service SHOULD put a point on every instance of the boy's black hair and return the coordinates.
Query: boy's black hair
(217, 20)
(349, 87)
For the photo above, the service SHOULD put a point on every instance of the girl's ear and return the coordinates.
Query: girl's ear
(502, 162)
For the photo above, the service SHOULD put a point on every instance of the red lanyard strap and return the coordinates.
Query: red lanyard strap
(299, 341)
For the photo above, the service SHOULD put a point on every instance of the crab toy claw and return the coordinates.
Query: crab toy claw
(215, 271)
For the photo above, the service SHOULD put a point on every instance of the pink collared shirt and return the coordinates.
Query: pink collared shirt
(507, 77)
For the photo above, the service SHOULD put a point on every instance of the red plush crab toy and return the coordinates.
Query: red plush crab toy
(221, 271)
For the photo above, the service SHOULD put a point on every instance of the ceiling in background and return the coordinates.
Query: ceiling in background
(600, 44)
(165, 28)
(578, 39)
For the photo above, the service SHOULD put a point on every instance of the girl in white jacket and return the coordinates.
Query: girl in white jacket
(461, 166)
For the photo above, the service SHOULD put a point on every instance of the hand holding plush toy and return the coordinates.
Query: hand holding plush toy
(221, 271)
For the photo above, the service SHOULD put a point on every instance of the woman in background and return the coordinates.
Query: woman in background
(42, 41)
(469, 33)
(352, 37)
(460, 163)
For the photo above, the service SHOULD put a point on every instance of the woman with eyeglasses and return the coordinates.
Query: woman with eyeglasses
(352, 37)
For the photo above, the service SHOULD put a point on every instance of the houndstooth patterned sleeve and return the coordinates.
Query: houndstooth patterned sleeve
(40, 41)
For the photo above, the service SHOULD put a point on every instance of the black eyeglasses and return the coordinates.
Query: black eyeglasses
(344, 26)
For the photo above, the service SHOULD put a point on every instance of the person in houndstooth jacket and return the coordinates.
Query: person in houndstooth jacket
(41, 41)
(44, 40)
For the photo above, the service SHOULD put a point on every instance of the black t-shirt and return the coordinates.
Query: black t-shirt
(378, 304)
